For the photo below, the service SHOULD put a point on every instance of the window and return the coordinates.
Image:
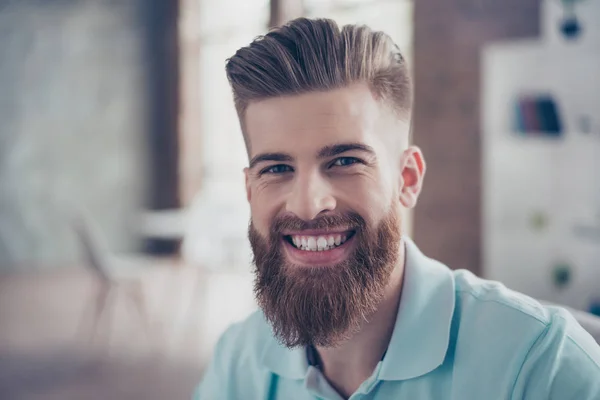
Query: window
(213, 153)
(394, 17)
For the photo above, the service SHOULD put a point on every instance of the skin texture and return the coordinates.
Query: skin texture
(321, 162)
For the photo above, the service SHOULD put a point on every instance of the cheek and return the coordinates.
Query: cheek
(264, 206)
(260, 215)
(367, 195)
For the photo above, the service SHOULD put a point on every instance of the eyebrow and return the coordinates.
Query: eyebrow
(336, 149)
(325, 152)
(280, 157)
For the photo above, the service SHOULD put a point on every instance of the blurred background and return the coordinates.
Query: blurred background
(123, 217)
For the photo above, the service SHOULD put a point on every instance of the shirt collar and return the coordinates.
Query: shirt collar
(421, 333)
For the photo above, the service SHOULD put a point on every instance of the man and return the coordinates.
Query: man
(350, 308)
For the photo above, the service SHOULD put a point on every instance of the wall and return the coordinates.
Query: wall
(447, 39)
(72, 112)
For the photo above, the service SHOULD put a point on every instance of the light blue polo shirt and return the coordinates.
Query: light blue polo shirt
(456, 337)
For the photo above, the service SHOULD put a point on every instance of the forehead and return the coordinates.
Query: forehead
(306, 122)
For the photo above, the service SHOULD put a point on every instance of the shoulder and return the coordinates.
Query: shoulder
(478, 295)
(479, 298)
(493, 320)
(519, 331)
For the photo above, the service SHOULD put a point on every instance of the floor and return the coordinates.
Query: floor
(52, 347)
(69, 375)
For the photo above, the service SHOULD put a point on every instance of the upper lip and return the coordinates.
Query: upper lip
(317, 232)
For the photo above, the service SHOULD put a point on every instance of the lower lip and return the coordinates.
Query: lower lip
(317, 258)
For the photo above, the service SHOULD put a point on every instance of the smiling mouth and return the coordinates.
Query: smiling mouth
(319, 242)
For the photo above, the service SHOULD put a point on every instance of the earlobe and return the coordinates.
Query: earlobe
(247, 180)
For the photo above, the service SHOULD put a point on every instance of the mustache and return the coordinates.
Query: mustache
(329, 221)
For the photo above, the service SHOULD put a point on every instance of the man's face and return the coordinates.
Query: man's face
(327, 180)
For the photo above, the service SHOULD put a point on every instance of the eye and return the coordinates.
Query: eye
(344, 161)
(276, 169)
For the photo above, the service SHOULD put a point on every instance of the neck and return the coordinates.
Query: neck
(348, 365)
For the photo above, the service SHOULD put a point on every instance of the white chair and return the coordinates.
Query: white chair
(108, 286)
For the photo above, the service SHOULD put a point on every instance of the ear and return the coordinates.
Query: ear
(247, 178)
(412, 172)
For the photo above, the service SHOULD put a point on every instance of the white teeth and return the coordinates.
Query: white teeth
(330, 241)
(321, 243)
(318, 243)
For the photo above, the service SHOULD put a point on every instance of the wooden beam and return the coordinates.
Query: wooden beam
(162, 57)
(448, 38)
(162, 52)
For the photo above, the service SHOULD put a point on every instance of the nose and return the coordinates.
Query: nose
(310, 196)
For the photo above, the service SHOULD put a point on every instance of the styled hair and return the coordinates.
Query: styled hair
(307, 55)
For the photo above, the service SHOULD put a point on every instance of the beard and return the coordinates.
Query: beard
(323, 305)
